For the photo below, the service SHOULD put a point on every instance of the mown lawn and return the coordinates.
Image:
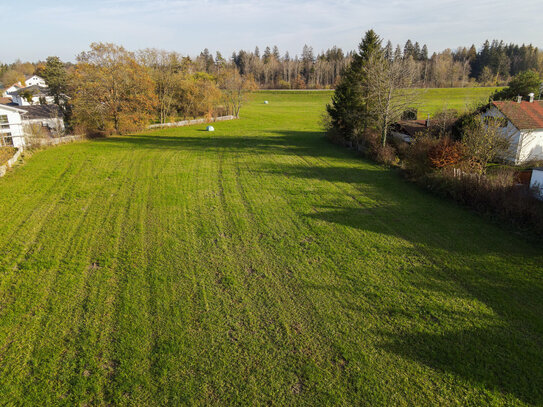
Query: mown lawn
(257, 265)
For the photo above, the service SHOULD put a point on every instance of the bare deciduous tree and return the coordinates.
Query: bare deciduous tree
(389, 88)
(167, 71)
(235, 88)
(485, 141)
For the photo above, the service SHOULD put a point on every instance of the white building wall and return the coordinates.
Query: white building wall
(54, 124)
(35, 80)
(511, 132)
(537, 181)
(7, 91)
(21, 101)
(531, 148)
(15, 126)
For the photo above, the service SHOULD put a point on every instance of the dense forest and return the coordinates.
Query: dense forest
(494, 63)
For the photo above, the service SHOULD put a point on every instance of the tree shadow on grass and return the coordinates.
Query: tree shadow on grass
(503, 354)
(498, 358)
(466, 255)
(275, 142)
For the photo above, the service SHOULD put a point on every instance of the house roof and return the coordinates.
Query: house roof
(523, 115)
(41, 111)
(12, 108)
(5, 101)
(35, 89)
(412, 127)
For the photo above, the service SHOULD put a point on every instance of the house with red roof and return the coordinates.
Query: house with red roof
(523, 124)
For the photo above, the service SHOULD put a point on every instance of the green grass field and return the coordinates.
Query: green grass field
(257, 265)
(431, 100)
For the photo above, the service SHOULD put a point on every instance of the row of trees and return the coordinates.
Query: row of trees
(112, 90)
(494, 63)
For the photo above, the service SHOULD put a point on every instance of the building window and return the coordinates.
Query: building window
(4, 126)
(3, 119)
(7, 140)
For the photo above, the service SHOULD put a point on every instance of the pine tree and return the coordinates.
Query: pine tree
(424, 53)
(267, 55)
(56, 77)
(408, 49)
(416, 52)
(388, 51)
(276, 53)
(397, 53)
(348, 110)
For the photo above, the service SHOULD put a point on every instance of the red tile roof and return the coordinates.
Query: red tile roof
(5, 101)
(523, 115)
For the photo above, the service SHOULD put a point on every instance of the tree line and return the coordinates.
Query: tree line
(493, 64)
(112, 90)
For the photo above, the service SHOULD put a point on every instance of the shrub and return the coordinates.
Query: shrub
(497, 194)
(417, 157)
(484, 142)
(298, 83)
(445, 153)
(410, 114)
(283, 84)
(370, 144)
(386, 155)
(443, 122)
(6, 153)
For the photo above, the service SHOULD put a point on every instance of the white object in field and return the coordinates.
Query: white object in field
(266, 102)
(210, 128)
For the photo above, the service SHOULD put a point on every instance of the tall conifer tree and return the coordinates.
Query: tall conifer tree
(348, 110)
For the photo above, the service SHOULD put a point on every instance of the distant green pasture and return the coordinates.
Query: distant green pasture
(436, 99)
(430, 100)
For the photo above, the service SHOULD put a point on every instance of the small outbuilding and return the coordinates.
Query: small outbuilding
(405, 130)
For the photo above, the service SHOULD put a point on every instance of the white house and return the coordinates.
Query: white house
(32, 95)
(11, 126)
(12, 88)
(19, 122)
(35, 80)
(523, 124)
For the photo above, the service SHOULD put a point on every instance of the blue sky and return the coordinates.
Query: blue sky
(35, 29)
